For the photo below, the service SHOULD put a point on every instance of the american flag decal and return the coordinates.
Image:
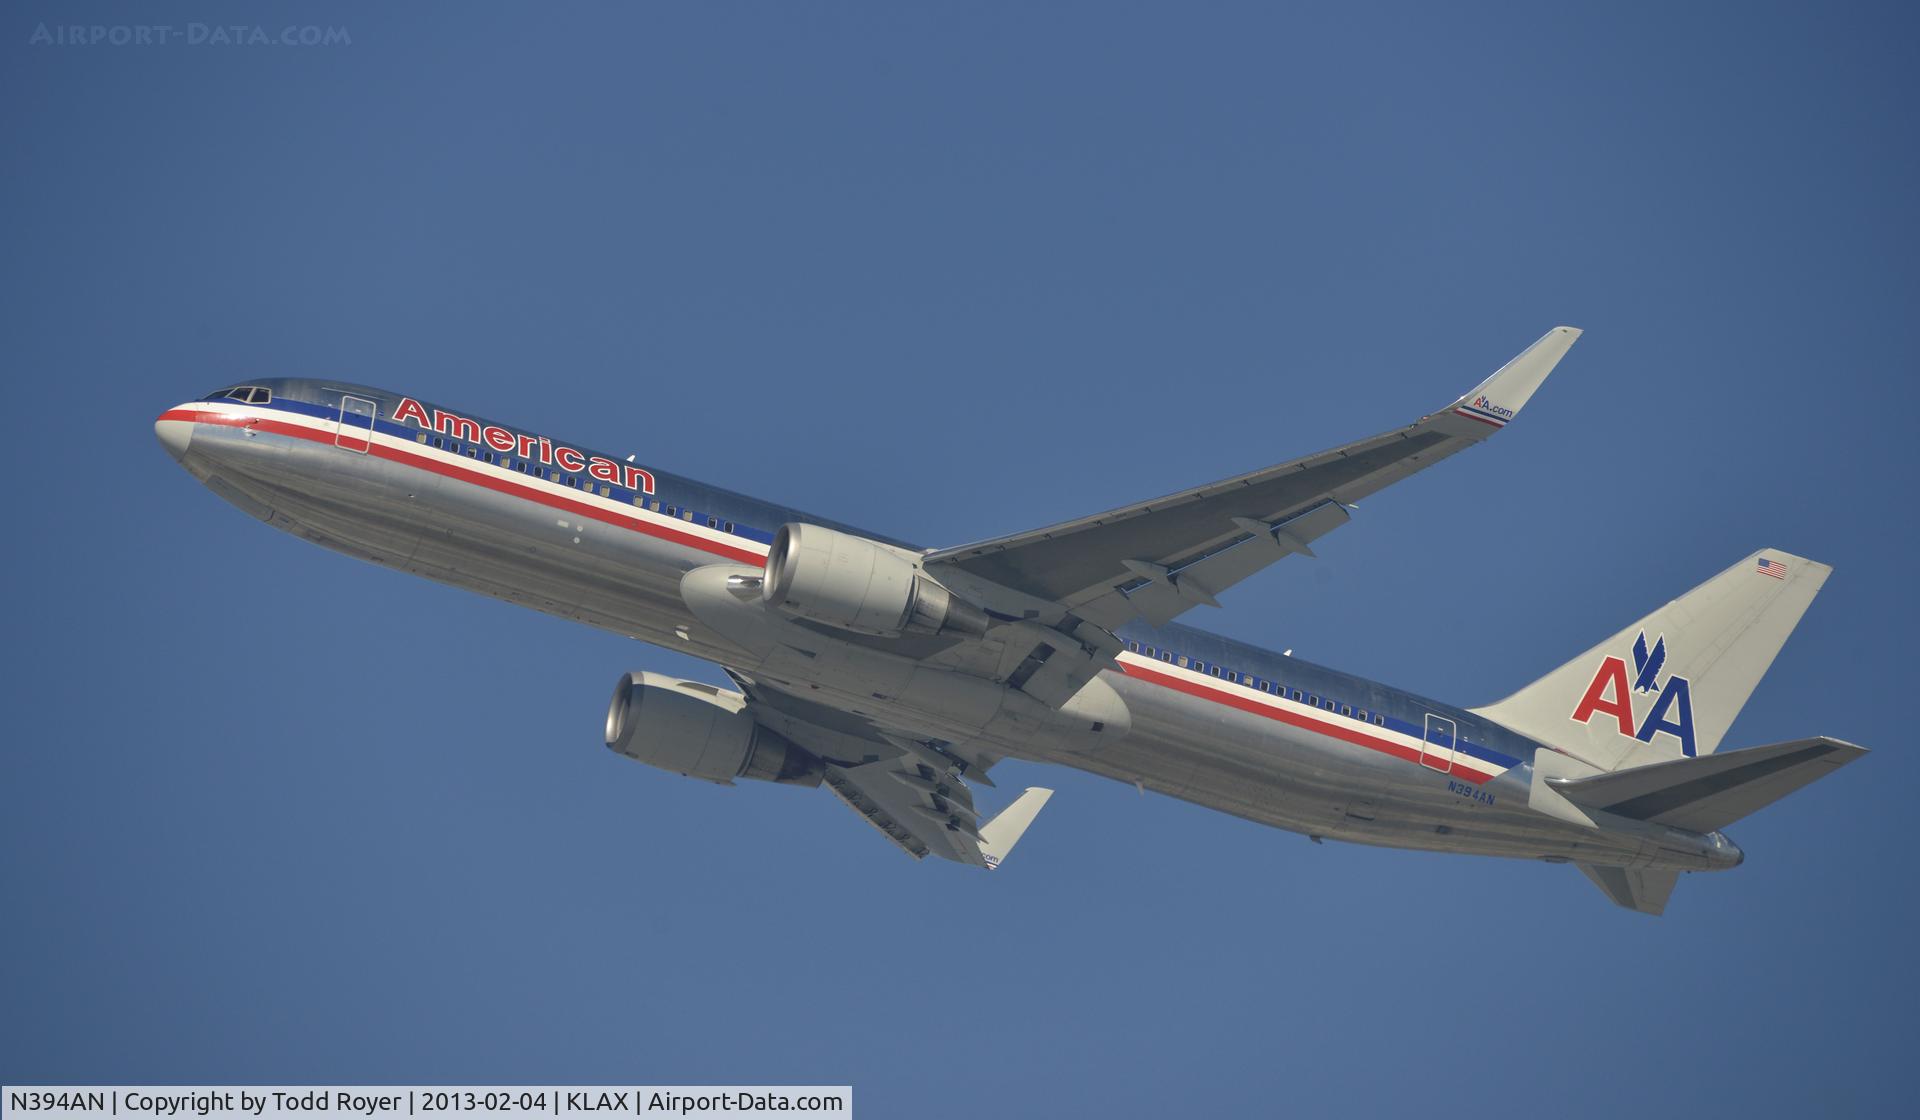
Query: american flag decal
(1772, 568)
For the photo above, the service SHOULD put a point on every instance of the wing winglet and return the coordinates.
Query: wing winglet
(999, 835)
(1499, 398)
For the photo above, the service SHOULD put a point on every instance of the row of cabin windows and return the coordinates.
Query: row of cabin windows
(653, 504)
(1272, 688)
(474, 451)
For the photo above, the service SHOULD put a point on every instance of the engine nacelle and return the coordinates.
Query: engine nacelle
(700, 731)
(852, 583)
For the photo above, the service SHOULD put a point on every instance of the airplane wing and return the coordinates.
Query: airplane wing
(1155, 559)
(910, 789)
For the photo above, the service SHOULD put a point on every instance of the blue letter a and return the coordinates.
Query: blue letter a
(1676, 694)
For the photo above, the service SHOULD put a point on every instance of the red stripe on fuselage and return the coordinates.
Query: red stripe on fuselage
(554, 501)
(1251, 706)
(459, 473)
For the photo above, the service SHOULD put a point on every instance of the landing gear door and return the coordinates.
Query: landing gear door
(354, 431)
(1436, 746)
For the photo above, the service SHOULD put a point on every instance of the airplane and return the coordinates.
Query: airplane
(898, 676)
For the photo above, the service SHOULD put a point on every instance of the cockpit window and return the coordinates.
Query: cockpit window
(245, 394)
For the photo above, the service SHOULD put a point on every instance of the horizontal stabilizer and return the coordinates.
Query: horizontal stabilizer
(1001, 833)
(1708, 793)
(1632, 887)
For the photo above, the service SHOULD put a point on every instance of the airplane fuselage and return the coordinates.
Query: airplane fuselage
(598, 539)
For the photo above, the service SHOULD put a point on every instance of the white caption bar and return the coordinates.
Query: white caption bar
(446, 1102)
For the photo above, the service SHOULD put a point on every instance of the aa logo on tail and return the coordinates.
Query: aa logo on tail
(1610, 694)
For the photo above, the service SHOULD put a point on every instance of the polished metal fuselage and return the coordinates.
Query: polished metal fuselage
(507, 547)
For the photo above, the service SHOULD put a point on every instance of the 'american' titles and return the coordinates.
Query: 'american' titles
(526, 447)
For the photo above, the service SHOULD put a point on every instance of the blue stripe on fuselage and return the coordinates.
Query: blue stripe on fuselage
(1211, 648)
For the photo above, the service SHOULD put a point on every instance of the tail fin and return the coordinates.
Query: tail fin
(1670, 685)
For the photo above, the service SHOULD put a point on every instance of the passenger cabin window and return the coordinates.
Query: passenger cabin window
(1265, 687)
(1346, 710)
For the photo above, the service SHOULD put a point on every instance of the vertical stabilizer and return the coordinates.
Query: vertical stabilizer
(1669, 685)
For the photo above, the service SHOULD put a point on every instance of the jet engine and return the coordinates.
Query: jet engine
(852, 583)
(702, 732)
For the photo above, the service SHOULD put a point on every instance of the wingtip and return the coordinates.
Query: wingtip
(999, 835)
(1497, 400)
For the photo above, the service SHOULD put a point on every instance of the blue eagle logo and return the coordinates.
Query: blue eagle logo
(1647, 665)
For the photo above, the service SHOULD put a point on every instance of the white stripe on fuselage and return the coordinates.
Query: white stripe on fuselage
(1299, 710)
(414, 446)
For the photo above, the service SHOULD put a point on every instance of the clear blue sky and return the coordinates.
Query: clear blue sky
(948, 271)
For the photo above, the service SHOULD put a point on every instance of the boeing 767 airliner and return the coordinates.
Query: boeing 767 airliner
(898, 676)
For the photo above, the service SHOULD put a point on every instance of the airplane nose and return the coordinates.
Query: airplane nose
(174, 435)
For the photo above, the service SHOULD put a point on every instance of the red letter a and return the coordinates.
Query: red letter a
(1611, 679)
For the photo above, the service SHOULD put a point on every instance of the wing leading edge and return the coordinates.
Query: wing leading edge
(1156, 559)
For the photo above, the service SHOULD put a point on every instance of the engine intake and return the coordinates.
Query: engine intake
(702, 732)
(852, 583)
